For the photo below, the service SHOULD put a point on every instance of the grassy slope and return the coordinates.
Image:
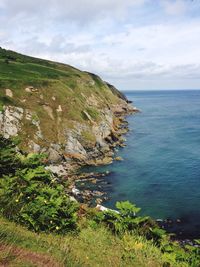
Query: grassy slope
(70, 87)
(92, 247)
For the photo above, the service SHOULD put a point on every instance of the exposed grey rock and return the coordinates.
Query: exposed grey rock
(57, 147)
(10, 121)
(74, 146)
(109, 117)
(32, 116)
(57, 169)
(101, 131)
(53, 155)
(9, 93)
(34, 147)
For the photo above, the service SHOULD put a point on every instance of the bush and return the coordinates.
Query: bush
(31, 195)
(125, 219)
(9, 160)
(125, 222)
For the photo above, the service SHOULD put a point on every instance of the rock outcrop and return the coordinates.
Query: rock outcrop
(10, 121)
(68, 114)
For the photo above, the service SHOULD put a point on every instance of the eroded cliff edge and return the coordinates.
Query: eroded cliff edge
(53, 108)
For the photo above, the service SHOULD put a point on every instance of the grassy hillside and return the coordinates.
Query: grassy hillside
(58, 95)
(18, 71)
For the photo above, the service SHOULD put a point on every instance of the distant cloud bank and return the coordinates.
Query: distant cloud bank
(141, 44)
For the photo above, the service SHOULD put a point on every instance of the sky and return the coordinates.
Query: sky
(133, 44)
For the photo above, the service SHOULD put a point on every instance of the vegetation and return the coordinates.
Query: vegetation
(91, 247)
(124, 220)
(54, 84)
(9, 162)
(31, 196)
(67, 234)
(39, 224)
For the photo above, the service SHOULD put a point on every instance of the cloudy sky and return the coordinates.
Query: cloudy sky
(134, 44)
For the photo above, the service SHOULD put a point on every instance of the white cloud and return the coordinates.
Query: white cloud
(127, 42)
(77, 10)
(174, 7)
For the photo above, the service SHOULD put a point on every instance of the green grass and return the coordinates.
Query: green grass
(91, 247)
(70, 87)
(87, 135)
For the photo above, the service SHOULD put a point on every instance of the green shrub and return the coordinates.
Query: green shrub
(31, 195)
(9, 160)
(127, 223)
(125, 219)
(34, 198)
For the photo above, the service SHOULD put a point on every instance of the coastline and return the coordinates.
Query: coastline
(79, 176)
(89, 187)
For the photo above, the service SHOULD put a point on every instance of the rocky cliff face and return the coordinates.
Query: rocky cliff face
(59, 110)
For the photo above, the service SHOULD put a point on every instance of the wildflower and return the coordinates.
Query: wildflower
(45, 201)
(57, 228)
(51, 222)
(138, 245)
(16, 200)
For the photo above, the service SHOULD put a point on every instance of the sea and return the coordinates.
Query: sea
(160, 171)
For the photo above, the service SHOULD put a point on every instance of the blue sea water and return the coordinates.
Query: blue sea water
(161, 168)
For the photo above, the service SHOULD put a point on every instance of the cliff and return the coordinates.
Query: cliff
(57, 109)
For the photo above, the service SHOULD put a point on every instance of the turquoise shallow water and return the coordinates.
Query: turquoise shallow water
(161, 168)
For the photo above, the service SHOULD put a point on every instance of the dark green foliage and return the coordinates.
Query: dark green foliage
(15, 67)
(124, 220)
(31, 195)
(33, 160)
(158, 235)
(16, 57)
(34, 198)
(9, 160)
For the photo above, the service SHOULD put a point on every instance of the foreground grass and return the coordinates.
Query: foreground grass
(90, 247)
